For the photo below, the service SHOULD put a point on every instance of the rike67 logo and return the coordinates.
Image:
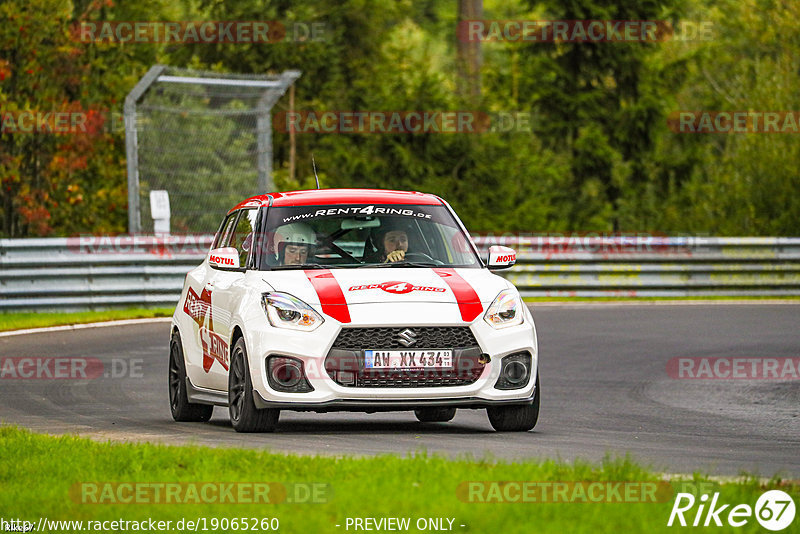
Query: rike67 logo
(774, 510)
(399, 288)
(198, 307)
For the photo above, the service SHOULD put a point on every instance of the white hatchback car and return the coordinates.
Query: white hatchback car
(354, 300)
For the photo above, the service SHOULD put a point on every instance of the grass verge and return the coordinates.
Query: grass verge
(20, 320)
(58, 478)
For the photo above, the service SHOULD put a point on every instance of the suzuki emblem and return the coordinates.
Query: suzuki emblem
(407, 337)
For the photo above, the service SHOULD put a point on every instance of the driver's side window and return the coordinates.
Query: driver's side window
(242, 236)
(223, 236)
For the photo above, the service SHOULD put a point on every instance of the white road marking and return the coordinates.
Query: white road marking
(68, 327)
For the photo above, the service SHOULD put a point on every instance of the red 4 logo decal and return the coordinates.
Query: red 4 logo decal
(397, 287)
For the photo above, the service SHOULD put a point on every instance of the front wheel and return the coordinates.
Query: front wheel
(435, 415)
(179, 405)
(516, 418)
(245, 417)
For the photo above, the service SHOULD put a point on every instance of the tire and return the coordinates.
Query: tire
(182, 410)
(245, 417)
(435, 415)
(516, 418)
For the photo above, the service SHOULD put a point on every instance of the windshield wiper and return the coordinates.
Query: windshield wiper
(303, 266)
(416, 264)
(399, 264)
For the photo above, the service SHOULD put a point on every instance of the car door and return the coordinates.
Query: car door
(226, 285)
(198, 306)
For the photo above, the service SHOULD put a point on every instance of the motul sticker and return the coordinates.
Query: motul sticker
(398, 288)
(222, 260)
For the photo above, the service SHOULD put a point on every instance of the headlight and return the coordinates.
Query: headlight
(504, 311)
(285, 311)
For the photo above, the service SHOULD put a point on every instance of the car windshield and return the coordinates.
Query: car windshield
(347, 236)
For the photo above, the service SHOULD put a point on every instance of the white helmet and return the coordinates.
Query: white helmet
(295, 234)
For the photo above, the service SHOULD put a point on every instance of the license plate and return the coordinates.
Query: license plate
(408, 359)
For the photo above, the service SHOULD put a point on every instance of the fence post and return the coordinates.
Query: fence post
(131, 148)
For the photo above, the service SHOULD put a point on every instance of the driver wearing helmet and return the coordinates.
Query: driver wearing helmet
(293, 242)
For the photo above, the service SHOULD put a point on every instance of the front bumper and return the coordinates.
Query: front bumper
(327, 395)
(379, 405)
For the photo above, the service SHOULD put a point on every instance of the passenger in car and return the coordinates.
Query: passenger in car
(293, 243)
(295, 255)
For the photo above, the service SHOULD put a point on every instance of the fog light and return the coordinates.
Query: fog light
(515, 371)
(286, 374)
(346, 378)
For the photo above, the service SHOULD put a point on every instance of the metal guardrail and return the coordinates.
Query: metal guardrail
(647, 266)
(104, 272)
(96, 272)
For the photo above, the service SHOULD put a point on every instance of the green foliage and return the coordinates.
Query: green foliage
(66, 183)
(732, 184)
(600, 155)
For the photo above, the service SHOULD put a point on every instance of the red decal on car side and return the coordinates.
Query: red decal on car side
(468, 302)
(330, 295)
(214, 347)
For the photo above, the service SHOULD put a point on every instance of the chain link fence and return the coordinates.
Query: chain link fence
(204, 137)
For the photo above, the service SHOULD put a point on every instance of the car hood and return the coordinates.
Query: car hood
(340, 293)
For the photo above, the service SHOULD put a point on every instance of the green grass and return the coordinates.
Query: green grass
(40, 476)
(20, 320)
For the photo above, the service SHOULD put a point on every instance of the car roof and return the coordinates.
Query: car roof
(322, 197)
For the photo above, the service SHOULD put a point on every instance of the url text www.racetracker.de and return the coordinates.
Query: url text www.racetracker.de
(43, 524)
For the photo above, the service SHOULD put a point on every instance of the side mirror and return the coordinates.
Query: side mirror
(224, 258)
(501, 257)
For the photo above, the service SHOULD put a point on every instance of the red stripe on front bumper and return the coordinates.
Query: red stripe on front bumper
(469, 304)
(330, 294)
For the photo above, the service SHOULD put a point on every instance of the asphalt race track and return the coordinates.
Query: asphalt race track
(604, 381)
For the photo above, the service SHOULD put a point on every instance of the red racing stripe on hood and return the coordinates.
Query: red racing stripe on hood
(330, 294)
(469, 304)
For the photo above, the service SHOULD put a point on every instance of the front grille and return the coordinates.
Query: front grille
(399, 381)
(428, 337)
(346, 368)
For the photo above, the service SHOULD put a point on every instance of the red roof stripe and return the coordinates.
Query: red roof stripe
(321, 197)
